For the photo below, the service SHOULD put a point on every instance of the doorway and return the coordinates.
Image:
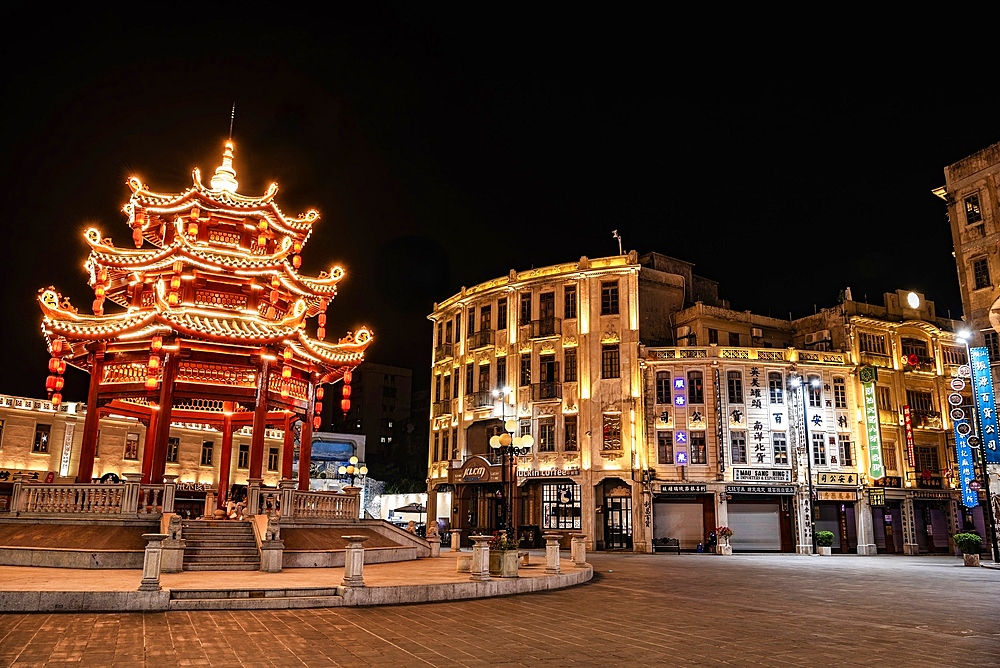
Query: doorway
(618, 523)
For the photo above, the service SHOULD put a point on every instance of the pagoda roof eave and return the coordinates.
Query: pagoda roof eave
(334, 357)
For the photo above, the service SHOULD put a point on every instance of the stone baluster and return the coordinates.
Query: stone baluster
(352, 504)
(552, 553)
(151, 561)
(578, 549)
(287, 506)
(130, 497)
(354, 561)
(169, 490)
(479, 569)
(456, 540)
(253, 495)
(19, 497)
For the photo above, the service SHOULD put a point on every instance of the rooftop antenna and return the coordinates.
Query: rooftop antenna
(614, 235)
(232, 119)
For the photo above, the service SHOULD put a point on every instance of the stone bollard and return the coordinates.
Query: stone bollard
(552, 553)
(479, 568)
(172, 547)
(354, 561)
(434, 538)
(271, 547)
(151, 562)
(456, 540)
(578, 549)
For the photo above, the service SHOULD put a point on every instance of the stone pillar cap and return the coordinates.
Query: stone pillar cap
(356, 539)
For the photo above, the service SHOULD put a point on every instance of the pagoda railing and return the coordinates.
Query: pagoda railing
(218, 374)
(92, 499)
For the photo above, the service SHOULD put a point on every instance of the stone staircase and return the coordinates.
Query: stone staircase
(225, 545)
(255, 599)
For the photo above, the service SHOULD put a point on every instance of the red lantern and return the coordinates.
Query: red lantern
(287, 354)
(192, 229)
(175, 282)
(54, 365)
(321, 333)
(274, 296)
(137, 237)
(57, 346)
(62, 367)
(195, 213)
(348, 376)
(102, 275)
(345, 405)
(271, 313)
(319, 407)
(296, 246)
(296, 261)
(284, 390)
(60, 382)
(317, 422)
(261, 240)
(178, 266)
(98, 307)
(173, 299)
(151, 382)
(286, 372)
(321, 319)
(154, 362)
(319, 392)
(346, 392)
(156, 343)
(262, 225)
(56, 399)
(275, 281)
(99, 291)
(50, 383)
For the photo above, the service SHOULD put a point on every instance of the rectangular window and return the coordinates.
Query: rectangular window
(889, 455)
(525, 315)
(992, 340)
(916, 347)
(485, 318)
(814, 390)
(612, 431)
(734, 339)
(206, 452)
(501, 373)
(440, 336)
(569, 302)
(839, 393)
(981, 273)
(454, 445)
(780, 448)
(734, 383)
(458, 327)
(41, 443)
(437, 388)
(609, 298)
(470, 325)
(569, 365)
(713, 336)
(846, 449)
(454, 383)
(738, 447)
(468, 379)
(272, 459)
(437, 446)
(920, 401)
(445, 444)
(561, 506)
(1, 434)
(871, 343)
(446, 386)
(697, 451)
(447, 331)
(243, 458)
(610, 361)
(663, 387)
(173, 445)
(819, 449)
(525, 369)
(664, 447)
(131, 446)
(926, 458)
(954, 355)
(484, 378)
(776, 387)
(502, 313)
(569, 426)
(547, 434)
(973, 214)
(696, 387)
(883, 398)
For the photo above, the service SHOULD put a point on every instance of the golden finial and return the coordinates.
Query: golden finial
(225, 175)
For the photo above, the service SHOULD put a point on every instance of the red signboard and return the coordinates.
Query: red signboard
(908, 424)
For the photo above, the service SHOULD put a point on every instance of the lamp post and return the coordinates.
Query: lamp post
(979, 456)
(796, 382)
(508, 446)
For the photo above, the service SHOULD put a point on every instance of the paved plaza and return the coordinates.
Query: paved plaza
(648, 610)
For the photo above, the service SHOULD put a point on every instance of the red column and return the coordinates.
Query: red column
(259, 421)
(287, 449)
(227, 454)
(149, 444)
(306, 438)
(159, 464)
(92, 423)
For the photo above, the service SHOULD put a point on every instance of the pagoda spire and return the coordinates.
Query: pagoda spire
(225, 174)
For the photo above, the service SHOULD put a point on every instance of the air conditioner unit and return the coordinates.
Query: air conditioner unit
(817, 337)
(756, 332)
(811, 338)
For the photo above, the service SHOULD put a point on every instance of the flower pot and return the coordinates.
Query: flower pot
(503, 563)
(825, 550)
(971, 559)
(725, 549)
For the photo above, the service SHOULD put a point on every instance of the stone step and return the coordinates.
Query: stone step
(278, 603)
(221, 566)
(287, 592)
(220, 554)
(217, 532)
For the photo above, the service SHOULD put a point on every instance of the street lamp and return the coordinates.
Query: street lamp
(796, 382)
(508, 446)
(979, 456)
(354, 468)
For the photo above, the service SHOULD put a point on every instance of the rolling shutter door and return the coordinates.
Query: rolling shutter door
(756, 526)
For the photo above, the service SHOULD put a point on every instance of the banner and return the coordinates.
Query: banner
(966, 474)
(868, 375)
(982, 385)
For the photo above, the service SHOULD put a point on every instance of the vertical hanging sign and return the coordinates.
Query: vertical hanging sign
(67, 450)
(718, 421)
(868, 375)
(970, 498)
(982, 385)
(908, 426)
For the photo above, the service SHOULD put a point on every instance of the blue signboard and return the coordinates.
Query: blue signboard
(966, 473)
(982, 385)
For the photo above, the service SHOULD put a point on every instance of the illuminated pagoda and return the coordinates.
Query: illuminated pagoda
(211, 328)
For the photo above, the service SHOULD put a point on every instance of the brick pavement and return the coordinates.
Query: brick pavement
(663, 610)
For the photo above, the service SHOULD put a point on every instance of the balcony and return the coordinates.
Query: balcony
(546, 391)
(925, 419)
(923, 363)
(481, 339)
(480, 399)
(876, 359)
(444, 351)
(546, 327)
(441, 408)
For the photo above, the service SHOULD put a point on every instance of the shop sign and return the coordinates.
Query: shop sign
(966, 474)
(908, 430)
(876, 498)
(921, 494)
(889, 481)
(868, 375)
(760, 489)
(762, 475)
(836, 496)
(7, 475)
(930, 482)
(476, 469)
(67, 450)
(982, 385)
(193, 487)
(683, 489)
(547, 473)
(837, 478)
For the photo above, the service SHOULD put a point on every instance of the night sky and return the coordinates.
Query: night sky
(443, 149)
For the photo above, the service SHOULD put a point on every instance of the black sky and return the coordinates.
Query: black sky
(443, 149)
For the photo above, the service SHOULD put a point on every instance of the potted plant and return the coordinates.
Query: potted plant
(824, 542)
(503, 555)
(969, 544)
(724, 534)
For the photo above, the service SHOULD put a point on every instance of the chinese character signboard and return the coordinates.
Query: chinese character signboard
(761, 475)
(970, 498)
(876, 498)
(868, 376)
(683, 489)
(758, 423)
(908, 427)
(982, 385)
(837, 478)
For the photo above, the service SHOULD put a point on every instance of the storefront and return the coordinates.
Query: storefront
(189, 499)
(761, 517)
(930, 520)
(886, 500)
(685, 511)
(614, 514)
(478, 497)
(836, 509)
(551, 502)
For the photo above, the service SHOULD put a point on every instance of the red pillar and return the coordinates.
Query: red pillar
(149, 444)
(92, 423)
(287, 449)
(159, 464)
(227, 454)
(306, 440)
(259, 421)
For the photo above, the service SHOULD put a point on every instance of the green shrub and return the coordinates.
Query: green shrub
(968, 543)
(824, 538)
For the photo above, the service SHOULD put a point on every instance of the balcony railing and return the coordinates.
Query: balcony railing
(876, 359)
(441, 408)
(480, 399)
(546, 327)
(925, 419)
(443, 352)
(546, 391)
(481, 339)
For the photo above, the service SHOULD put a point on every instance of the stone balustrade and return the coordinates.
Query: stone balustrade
(127, 498)
(323, 505)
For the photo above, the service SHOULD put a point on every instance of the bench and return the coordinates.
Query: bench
(666, 544)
